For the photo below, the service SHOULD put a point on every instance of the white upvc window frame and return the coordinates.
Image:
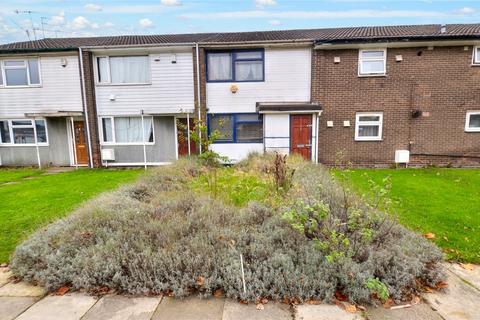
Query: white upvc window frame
(31, 126)
(114, 140)
(361, 73)
(109, 82)
(476, 56)
(378, 123)
(25, 65)
(467, 121)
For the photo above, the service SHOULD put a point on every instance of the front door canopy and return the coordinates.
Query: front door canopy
(288, 107)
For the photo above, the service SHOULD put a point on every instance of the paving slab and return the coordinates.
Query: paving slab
(471, 276)
(11, 307)
(271, 311)
(418, 312)
(459, 302)
(68, 307)
(5, 275)
(189, 309)
(121, 308)
(21, 289)
(324, 312)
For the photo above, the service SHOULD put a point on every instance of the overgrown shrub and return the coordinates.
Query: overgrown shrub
(158, 236)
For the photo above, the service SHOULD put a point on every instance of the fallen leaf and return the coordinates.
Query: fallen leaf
(467, 266)
(200, 281)
(388, 303)
(218, 293)
(351, 308)
(264, 301)
(61, 291)
(362, 308)
(313, 302)
(243, 302)
(286, 301)
(441, 285)
(340, 296)
(429, 235)
(445, 238)
(416, 300)
(428, 290)
(260, 306)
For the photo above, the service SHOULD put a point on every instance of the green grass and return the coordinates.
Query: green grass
(32, 203)
(445, 202)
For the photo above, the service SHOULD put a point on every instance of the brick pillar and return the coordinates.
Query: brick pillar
(203, 85)
(89, 87)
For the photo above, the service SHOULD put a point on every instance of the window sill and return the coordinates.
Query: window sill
(238, 142)
(368, 140)
(122, 84)
(23, 145)
(21, 87)
(233, 82)
(372, 75)
(473, 130)
(113, 144)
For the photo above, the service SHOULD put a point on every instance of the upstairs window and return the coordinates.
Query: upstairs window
(368, 126)
(127, 130)
(473, 121)
(19, 73)
(23, 131)
(237, 128)
(476, 55)
(372, 62)
(238, 66)
(123, 70)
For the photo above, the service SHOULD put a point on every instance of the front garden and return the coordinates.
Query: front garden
(263, 229)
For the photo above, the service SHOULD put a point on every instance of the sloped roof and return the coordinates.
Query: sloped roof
(406, 32)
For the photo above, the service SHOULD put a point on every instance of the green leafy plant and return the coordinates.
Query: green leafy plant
(378, 288)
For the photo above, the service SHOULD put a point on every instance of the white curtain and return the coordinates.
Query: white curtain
(368, 131)
(129, 130)
(102, 69)
(219, 66)
(129, 69)
(248, 70)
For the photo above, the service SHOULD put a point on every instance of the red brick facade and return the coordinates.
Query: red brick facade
(440, 82)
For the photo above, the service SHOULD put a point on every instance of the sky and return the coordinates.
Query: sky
(24, 19)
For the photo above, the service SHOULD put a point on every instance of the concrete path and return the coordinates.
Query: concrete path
(21, 301)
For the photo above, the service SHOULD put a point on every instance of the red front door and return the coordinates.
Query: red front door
(301, 135)
(80, 143)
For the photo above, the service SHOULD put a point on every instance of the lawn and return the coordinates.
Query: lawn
(36, 199)
(445, 202)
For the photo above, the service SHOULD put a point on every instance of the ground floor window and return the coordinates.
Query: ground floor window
(368, 126)
(127, 130)
(237, 127)
(22, 131)
(473, 121)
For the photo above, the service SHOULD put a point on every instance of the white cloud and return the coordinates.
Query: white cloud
(275, 22)
(81, 23)
(465, 11)
(317, 14)
(145, 23)
(108, 25)
(265, 3)
(171, 3)
(93, 7)
(58, 20)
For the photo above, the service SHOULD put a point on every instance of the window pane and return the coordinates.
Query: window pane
(1, 77)
(23, 135)
(372, 54)
(249, 55)
(22, 122)
(129, 69)
(248, 70)
(250, 132)
(14, 64)
(219, 66)
(107, 130)
(376, 66)
(129, 129)
(102, 65)
(249, 117)
(34, 72)
(4, 132)
(368, 131)
(224, 126)
(369, 118)
(477, 55)
(41, 131)
(474, 121)
(16, 77)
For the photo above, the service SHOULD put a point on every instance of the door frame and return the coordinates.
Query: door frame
(312, 127)
(71, 142)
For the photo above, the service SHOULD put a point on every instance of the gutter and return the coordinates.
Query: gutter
(197, 56)
(85, 108)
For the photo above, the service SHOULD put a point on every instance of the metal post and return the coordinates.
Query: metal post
(317, 132)
(36, 143)
(188, 134)
(199, 99)
(144, 145)
(74, 143)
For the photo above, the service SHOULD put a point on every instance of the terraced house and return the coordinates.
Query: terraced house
(373, 96)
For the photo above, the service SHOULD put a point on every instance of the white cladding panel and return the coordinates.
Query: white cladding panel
(236, 151)
(287, 78)
(171, 89)
(277, 132)
(60, 89)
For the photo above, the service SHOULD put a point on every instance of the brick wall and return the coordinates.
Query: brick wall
(89, 82)
(439, 82)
